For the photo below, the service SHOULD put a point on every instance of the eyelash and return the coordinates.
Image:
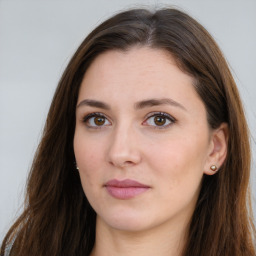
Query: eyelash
(171, 119)
(87, 118)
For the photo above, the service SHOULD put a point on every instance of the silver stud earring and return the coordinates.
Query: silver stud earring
(214, 168)
(76, 166)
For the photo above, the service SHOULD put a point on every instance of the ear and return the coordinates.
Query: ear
(217, 149)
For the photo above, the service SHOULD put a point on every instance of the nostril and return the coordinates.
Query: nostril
(128, 163)
(122, 163)
(122, 152)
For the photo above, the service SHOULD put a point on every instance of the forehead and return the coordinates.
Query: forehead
(140, 72)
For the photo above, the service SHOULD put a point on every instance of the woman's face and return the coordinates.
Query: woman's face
(142, 142)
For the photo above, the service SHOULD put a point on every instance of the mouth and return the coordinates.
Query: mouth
(125, 189)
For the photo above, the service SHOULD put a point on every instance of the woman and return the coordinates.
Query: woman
(145, 149)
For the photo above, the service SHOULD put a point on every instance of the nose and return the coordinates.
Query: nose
(123, 148)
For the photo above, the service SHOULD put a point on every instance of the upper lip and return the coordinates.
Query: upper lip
(127, 183)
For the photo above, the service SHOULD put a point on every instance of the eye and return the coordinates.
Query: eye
(96, 120)
(161, 120)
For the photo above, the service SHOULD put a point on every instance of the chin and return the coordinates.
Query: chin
(130, 222)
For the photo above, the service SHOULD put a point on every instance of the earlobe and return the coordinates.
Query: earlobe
(218, 150)
(214, 168)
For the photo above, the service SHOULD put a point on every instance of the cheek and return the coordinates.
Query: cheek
(179, 160)
(87, 151)
(89, 159)
(177, 155)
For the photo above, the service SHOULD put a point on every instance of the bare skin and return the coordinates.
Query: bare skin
(139, 118)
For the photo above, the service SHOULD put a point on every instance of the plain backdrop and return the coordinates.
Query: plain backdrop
(37, 38)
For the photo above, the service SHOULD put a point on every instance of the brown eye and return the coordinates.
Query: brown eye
(159, 120)
(96, 120)
(99, 120)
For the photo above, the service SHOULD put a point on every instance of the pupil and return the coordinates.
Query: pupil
(160, 120)
(99, 120)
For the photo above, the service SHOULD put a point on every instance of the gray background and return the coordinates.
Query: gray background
(37, 38)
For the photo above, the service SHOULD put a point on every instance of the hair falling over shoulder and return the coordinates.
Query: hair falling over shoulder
(57, 219)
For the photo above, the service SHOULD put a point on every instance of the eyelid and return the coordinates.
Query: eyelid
(155, 113)
(168, 116)
(151, 114)
(95, 114)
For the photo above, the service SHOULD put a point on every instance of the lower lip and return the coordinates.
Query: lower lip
(125, 192)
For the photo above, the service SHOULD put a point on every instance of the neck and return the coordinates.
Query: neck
(164, 240)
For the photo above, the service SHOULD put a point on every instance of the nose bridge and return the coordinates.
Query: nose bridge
(123, 149)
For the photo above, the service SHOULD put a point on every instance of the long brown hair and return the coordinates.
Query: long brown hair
(58, 220)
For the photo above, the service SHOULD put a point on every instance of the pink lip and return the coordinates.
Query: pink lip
(125, 189)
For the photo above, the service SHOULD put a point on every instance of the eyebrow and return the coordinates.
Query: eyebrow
(137, 105)
(93, 103)
(157, 102)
